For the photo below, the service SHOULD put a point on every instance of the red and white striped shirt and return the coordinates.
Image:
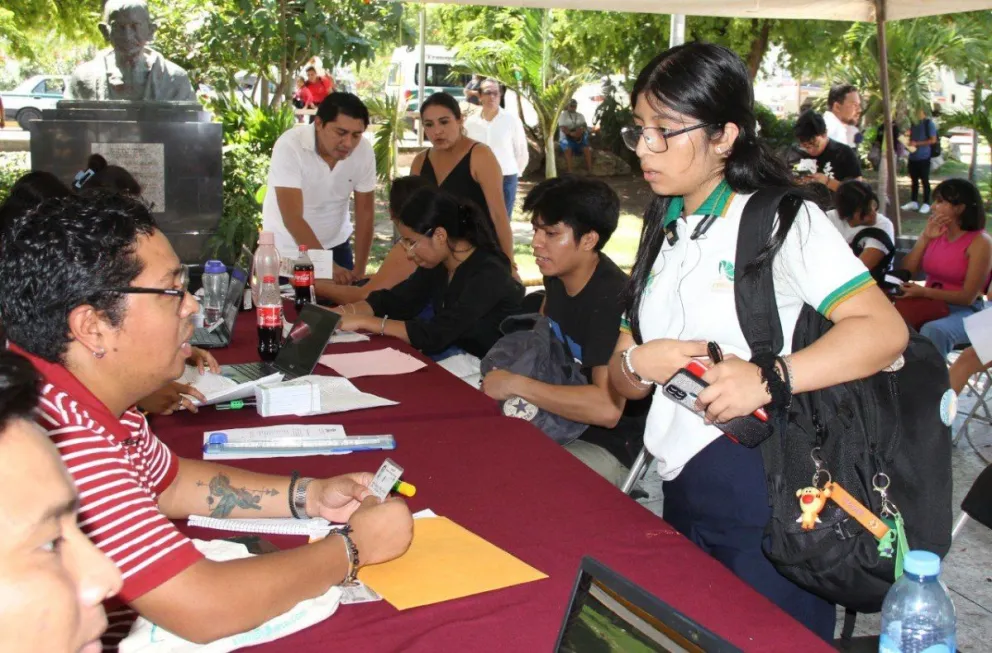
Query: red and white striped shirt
(120, 469)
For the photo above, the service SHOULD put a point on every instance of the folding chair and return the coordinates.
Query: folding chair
(977, 504)
(979, 385)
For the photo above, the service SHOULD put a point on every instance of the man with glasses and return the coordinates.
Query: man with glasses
(834, 162)
(574, 136)
(94, 296)
(504, 134)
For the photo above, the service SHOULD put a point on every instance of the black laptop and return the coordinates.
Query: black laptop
(222, 333)
(300, 350)
(608, 614)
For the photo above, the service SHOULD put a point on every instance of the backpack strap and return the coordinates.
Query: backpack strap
(857, 245)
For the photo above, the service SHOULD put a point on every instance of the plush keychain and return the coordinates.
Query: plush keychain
(811, 502)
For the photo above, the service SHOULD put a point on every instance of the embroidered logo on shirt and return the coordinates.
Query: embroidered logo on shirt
(517, 407)
(726, 268)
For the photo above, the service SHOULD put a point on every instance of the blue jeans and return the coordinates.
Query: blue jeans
(576, 146)
(343, 255)
(510, 192)
(948, 332)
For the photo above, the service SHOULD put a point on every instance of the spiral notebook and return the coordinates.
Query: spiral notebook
(315, 528)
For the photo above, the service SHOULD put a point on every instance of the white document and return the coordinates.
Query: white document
(978, 326)
(347, 336)
(323, 263)
(217, 388)
(358, 593)
(313, 528)
(146, 637)
(466, 367)
(339, 395)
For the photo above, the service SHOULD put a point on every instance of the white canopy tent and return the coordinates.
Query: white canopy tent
(877, 11)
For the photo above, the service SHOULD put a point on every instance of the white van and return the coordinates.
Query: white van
(404, 78)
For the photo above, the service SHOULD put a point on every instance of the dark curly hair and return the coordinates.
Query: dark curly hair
(18, 388)
(64, 254)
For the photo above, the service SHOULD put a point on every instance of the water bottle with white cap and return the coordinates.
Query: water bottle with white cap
(917, 614)
(215, 282)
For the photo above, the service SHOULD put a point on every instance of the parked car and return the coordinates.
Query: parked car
(25, 103)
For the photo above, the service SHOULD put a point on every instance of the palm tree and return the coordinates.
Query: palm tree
(386, 112)
(978, 119)
(527, 65)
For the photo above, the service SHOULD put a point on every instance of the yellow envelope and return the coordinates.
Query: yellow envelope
(444, 562)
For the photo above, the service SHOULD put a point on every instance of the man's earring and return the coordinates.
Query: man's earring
(100, 353)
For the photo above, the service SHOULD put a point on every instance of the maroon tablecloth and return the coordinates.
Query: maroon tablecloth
(507, 482)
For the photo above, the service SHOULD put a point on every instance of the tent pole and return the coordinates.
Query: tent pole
(676, 34)
(888, 185)
(423, 70)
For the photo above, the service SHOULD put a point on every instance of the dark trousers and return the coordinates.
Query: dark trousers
(719, 501)
(919, 173)
(344, 256)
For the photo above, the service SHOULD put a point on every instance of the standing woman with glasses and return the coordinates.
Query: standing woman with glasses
(462, 166)
(696, 137)
(462, 277)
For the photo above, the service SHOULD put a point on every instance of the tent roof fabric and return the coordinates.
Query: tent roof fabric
(861, 10)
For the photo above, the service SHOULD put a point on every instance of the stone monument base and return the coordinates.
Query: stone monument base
(172, 149)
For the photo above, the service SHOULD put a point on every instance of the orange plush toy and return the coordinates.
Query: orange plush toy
(811, 501)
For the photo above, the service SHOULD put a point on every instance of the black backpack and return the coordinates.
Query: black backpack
(893, 423)
(858, 245)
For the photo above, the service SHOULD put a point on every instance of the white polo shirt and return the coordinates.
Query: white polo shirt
(839, 131)
(504, 135)
(690, 296)
(849, 233)
(326, 192)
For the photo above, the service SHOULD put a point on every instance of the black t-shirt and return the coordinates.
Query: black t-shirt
(467, 311)
(589, 323)
(838, 161)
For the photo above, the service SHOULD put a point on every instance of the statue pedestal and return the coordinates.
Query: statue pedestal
(171, 148)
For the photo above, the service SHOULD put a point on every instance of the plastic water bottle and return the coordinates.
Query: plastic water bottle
(917, 614)
(266, 263)
(215, 285)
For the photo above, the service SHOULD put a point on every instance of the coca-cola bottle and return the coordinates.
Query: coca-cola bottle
(303, 279)
(269, 312)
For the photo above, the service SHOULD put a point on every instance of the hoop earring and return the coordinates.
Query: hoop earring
(100, 353)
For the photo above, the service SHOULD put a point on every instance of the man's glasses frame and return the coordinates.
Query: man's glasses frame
(632, 135)
(171, 292)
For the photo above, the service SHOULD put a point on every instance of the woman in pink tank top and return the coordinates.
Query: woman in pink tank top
(955, 252)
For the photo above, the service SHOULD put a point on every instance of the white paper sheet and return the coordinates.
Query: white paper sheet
(380, 362)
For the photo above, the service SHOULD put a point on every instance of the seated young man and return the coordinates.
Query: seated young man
(835, 162)
(573, 219)
(53, 581)
(95, 297)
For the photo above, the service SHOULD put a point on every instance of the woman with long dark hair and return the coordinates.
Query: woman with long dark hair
(696, 137)
(462, 166)
(463, 279)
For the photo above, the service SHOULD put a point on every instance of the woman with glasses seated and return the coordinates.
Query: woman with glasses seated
(462, 276)
(697, 141)
(462, 166)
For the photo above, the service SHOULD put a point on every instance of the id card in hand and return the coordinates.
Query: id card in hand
(389, 472)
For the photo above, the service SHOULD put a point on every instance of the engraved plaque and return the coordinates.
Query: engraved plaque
(146, 161)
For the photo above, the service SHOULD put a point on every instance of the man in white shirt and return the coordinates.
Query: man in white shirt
(842, 114)
(503, 132)
(574, 136)
(314, 171)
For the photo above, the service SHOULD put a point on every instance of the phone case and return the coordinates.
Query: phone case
(684, 387)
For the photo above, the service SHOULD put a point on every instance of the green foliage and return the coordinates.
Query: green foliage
(257, 128)
(777, 132)
(244, 173)
(612, 116)
(529, 65)
(23, 21)
(12, 167)
(386, 112)
(452, 25)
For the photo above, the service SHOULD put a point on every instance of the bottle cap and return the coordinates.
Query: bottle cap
(303, 248)
(922, 563)
(214, 266)
(266, 238)
(269, 278)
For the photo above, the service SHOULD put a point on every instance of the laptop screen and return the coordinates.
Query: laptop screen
(306, 341)
(610, 614)
(234, 298)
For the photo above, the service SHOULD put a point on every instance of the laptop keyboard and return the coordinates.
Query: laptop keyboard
(204, 338)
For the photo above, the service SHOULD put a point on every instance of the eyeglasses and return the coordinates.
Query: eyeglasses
(632, 135)
(490, 92)
(180, 292)
(410, 245)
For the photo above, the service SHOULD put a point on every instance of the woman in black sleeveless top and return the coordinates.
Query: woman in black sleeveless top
(461, 166)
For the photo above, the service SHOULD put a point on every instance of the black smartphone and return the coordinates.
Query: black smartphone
(684, 388)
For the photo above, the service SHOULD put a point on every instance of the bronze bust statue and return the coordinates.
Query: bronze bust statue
(129, 69)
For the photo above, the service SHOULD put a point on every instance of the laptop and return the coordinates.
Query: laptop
(221, 334)
(297, 357)
(608, 613)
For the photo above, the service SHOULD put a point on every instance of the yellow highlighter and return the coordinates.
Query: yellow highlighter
(404, 488)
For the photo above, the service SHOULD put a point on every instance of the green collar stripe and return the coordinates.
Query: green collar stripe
(715, 204)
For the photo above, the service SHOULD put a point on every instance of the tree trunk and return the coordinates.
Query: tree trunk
(264, 94)
(976, 107)
(759, 46)
(550, 164)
